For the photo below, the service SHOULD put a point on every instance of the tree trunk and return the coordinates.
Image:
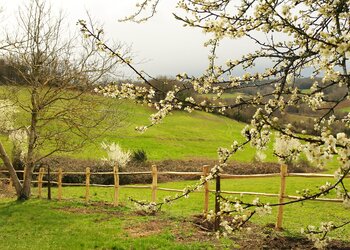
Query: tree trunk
(29, 163)
(11, 169)
(26, 187)
(17, 162)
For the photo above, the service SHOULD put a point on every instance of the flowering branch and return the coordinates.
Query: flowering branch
(317, 42)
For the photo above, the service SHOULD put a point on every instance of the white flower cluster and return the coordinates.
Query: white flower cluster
(261, 209)
(264, 210)
(325, 188)
(210, 215)
(126, 91)
(286, 148)
(318, 234)
(258, 132)
(7, 115)
(115, 154)
(314, 101)
(19, 138)
(233, 215)
(259, 156)
(150, 208)
(304, 193)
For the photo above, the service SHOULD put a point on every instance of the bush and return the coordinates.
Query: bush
(139, 155)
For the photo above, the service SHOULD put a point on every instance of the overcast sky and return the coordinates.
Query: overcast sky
(162, 44)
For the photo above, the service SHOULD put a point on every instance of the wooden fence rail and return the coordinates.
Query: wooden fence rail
(155, 188)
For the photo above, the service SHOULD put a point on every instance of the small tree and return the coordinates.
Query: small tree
(294, 37)
(115, 154)
(56, 111)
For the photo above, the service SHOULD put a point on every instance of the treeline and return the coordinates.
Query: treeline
(9, 73)
(300, 116)
(13, 73)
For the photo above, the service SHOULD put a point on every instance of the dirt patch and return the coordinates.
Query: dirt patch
(183, 231)
(5, 190)
(147, 228)
(267, 238)
(253, 237)
(188, 231)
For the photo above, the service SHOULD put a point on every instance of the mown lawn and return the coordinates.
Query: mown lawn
(70, 224)
(40, 224)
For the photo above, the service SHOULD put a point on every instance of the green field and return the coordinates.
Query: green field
(70, 224)
(346, 109)
(182, 135)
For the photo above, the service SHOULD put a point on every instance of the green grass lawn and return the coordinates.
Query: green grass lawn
(39, 224)
(70, 224)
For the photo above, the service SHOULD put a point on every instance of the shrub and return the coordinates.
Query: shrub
(115, 154)
(139, 155)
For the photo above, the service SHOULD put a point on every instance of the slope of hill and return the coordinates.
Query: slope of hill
(180, 136)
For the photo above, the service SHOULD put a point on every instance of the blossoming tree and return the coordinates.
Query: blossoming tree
(299, 37)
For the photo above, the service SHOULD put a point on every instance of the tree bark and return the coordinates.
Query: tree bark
(11, 169)
(29, 163)
(26, 188)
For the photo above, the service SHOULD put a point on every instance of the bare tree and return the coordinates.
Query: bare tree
(58, 111)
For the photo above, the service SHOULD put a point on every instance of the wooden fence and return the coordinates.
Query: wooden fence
(154, 186)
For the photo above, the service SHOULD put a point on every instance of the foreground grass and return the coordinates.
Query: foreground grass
(70, 224)
(296, 216)
(40, 224)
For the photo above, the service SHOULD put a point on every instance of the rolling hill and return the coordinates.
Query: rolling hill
(182, 135)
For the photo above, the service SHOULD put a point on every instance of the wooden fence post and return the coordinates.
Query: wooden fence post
(40, 182)
(59, 191)
(154, 183)
(282, 193)
(87, 182)
(116, 185)
(206, 190)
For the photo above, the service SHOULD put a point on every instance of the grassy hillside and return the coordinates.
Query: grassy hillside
(180, 136)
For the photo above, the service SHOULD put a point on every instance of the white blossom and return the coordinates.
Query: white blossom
(115, 154)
